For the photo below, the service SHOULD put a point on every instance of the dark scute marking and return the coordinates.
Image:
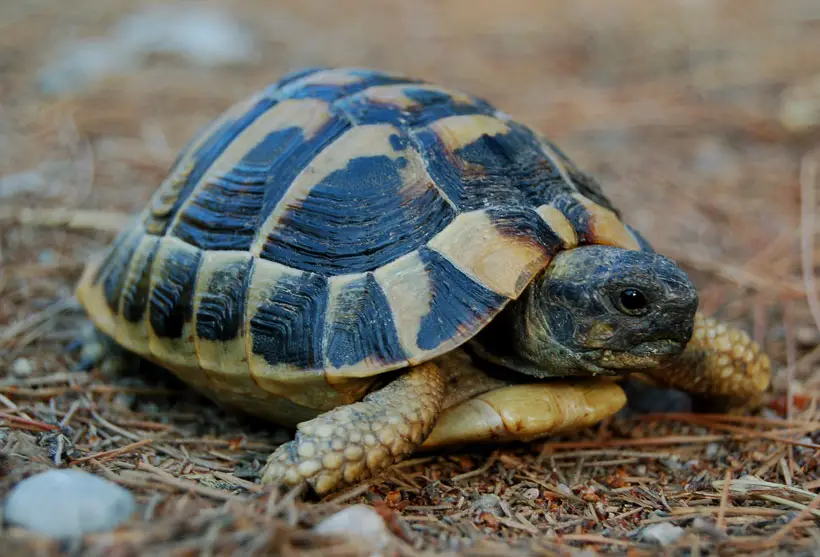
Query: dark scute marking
(501, 169)
(576, 214)
(358, 219)
(224, 212)
(171, 304)
(289, 328)
(458, 302)
(110, 257)
(330, 93)
(135, 297)
(432, 106)
(293, 159)
(117, 270)
(221, 311)
(363, 326)
(524, 224)
(215, 145)
(400, 142)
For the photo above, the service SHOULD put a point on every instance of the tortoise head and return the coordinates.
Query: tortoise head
(596, 310)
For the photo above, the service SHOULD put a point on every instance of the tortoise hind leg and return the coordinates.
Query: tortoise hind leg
(354, 442)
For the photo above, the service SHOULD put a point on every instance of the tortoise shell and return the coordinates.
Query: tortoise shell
(336, 225)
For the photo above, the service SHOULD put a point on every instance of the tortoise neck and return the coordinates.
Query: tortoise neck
(520, 339)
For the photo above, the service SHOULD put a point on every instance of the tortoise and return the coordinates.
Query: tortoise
(391, 265)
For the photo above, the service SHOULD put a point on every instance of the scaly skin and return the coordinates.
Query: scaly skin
(355, 442)
(721, 362)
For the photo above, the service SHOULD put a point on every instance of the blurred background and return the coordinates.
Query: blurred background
(699, 117)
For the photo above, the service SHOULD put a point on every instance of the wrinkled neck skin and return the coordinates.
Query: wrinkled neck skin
(520, 339)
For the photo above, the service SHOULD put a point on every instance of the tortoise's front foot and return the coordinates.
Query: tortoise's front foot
(355, 442)
(724, 368)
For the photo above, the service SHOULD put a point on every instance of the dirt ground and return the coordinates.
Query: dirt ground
(701, 118)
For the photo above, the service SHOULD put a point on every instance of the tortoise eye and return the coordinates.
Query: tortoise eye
(633, 301)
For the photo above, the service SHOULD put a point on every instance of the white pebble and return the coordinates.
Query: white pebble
(22, 367)
(359, 521)
(65, 504)
(664, 533)
(489, 502)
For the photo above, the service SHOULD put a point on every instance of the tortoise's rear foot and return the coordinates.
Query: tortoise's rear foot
(97, 350)
(352, 443)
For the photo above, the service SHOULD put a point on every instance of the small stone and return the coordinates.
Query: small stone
(662, 533)
(489, 502)
(358, 521)
(807, 337)
(22, 367)
(709, 528)
(65, 504)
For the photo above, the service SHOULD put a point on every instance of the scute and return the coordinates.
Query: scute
(338, 224)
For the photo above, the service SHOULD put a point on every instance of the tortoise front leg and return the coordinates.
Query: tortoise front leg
(722, 364)
(351, 443)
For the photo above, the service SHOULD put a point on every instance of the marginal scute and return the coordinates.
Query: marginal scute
(219, 310)
(171, 302)
(159, 209)
(360, 334)
(406, 285)
(116, 268)
(285, 317)
(132, 322)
